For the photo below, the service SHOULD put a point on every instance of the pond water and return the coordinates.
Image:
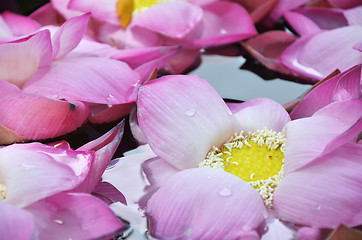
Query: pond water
(225, 75)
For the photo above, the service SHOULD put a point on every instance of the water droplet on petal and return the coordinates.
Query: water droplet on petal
(190, 112)
(28, 166)
(111, 98)
(225, 192)
(319, 208)
(58, 221)
(209, 177)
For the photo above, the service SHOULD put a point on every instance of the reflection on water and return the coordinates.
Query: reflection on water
(225, 75)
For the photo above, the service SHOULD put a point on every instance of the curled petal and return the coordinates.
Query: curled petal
(104, 148)
(74, 216)
(69, 35)
(206, 203)
(21, 58)
(34, 171)
(341, 87)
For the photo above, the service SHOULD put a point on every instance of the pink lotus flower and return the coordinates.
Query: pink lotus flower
(192, 24)
(304, 172)
(42, 190)
(49, 87)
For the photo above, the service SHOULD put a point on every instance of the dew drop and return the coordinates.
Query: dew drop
(319, 208)
(28, 166)
(111, 98)
(190, 112)
(209, 177)
(225, 192)
(58, 221)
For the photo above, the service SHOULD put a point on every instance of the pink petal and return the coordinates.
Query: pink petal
(108, 193)
(326, 130)
(74, 216)
(69, 35)
(223, 23)
(262, 113)
(47, 15)
(206, 204)
(62, 6)
(341, 87)
(358, 46)
(353, 15)
(34, 171)
(89, 79)
(311, 20)
(267, 48)
(183, 60)
(346, 3)
(172, 19)
(282, 7)
(5, 31)
(182, 127)
(158, 170)
(132, 183)
(12, 219)
(104, 148)
(20, 59)
(37, 117)
(20, 25)
(105, 10)
(100, 113)
(325, 193)
(305, 56)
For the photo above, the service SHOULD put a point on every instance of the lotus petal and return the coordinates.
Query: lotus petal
(74, 216)
(89, 79)
(223, 23)
(69, 35)
(104, 148)
(325, 193)
(306, 54)
(37, 117)
(172, 19)
(188, 114)
(206, 203)
(105, 10)
(341, 87)
(326, 130)
(20, 25)
(21, 58)
(12, 219)
(261, 113)
(25, 166)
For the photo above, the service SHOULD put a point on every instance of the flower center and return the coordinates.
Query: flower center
(126, 9)
(257, 158)
(2, 192)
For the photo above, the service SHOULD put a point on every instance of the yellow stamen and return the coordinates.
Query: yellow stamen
(124, 10)
(257, 158)
(2, 191)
